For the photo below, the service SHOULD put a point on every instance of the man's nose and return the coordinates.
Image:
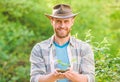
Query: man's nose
(62, 24)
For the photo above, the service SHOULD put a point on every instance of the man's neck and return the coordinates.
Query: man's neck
(61, 41)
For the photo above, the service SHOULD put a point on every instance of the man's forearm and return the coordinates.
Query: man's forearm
(82, 78)
(47, 78)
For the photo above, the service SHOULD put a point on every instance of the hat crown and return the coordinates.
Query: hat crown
(62, 9)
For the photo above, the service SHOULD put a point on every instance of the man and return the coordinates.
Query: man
(64, 48)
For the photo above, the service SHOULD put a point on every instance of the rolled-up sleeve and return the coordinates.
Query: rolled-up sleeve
(37, 64)
(87, 62)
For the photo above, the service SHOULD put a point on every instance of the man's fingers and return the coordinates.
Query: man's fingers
(68, 75)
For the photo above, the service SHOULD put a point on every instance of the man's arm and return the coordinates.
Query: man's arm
(87, 62)
(38, 68)
(37, 64)
(52, 77)
(87, 67)
(75, 77)
(47, 78)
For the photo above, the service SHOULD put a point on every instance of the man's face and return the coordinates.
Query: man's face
(62, 27)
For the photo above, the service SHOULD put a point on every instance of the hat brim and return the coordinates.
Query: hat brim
(68, 16)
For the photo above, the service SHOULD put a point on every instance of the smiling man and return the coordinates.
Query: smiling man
(62, 46)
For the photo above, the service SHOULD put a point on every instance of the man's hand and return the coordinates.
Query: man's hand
(75, 77)
(58, 75)
(52, 77)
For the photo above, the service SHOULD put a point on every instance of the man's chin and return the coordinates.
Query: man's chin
(62, 36)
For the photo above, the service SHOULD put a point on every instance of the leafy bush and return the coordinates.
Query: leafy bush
(22, 24)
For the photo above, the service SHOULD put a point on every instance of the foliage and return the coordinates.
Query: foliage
(23, 24)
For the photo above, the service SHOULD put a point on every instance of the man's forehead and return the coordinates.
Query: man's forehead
(63, 18)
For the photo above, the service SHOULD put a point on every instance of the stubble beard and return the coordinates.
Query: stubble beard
(62, 36)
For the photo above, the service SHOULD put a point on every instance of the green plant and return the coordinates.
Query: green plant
(106, 68)
(65, 64)
(23, 24)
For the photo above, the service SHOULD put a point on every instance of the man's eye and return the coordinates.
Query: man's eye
(57, 21)
(66, 21)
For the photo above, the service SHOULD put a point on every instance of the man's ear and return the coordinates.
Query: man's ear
(73, 20)
(51, 20)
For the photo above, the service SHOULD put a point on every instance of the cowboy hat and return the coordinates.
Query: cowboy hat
(61, 11)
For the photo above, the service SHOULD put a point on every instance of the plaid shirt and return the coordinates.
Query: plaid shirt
(43, 58)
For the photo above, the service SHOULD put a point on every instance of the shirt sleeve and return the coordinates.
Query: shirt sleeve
(37, 64)
(87, 62)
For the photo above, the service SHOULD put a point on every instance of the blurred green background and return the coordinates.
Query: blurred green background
(23, 24)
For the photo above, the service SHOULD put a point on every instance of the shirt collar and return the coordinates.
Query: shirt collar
(51, 40)
(72, 42)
